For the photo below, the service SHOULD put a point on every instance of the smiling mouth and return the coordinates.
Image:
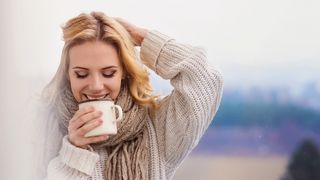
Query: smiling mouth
(90, 97)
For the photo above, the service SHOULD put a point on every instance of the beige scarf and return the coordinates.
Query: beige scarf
(127, 151)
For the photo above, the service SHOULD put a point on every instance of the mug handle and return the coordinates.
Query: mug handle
(119, 111)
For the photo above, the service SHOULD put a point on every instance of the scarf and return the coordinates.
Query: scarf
(127, 151)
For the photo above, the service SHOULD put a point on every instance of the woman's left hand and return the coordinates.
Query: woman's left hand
(136, 33)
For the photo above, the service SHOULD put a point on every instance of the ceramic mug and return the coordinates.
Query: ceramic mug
(109, 119)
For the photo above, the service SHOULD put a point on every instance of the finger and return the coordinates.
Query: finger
(120, 20)
(81, 112)
(82, 120)
(128, 26)
(76, 136)
(89, 126)
(84, 142)
(96, 139)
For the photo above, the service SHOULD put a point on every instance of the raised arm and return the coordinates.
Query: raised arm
(186, 113)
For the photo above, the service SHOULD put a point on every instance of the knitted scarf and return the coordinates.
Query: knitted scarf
(127, 151)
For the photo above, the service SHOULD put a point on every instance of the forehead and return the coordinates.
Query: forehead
(93, 54)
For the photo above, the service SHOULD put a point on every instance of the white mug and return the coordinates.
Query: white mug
(108, 109)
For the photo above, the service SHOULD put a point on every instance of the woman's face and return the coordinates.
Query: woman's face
(95, 71)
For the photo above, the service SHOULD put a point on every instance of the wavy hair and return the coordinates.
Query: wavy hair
(96, 26)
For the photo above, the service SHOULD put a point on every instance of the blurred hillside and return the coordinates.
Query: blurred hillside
(270, 108)
(263, 121)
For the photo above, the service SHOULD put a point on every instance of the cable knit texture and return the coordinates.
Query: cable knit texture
(177, 126)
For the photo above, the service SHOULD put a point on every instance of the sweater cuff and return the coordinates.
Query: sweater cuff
(78, 158)
(151, 47)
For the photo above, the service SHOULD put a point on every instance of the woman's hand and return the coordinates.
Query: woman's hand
(83, 121)
(136, 33)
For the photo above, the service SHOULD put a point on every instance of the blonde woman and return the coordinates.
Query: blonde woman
(156, 135)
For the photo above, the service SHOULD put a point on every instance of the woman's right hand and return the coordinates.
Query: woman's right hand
(83, 121)
(136, 33)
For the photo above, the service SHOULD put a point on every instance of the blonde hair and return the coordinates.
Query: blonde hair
(96, 26)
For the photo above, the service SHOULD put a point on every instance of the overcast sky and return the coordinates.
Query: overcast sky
(245, 38)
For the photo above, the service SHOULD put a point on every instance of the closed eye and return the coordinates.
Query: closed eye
(109, 75)
(81, 75)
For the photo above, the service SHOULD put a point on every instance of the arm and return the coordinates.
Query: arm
(72, 163)
(186, 113)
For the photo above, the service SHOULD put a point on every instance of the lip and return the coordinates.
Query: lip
(89, 100)
(95, 97)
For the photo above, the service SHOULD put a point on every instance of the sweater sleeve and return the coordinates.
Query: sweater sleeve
(72, 163)
(186, 113)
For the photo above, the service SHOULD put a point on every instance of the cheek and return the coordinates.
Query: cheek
(115, 87)
(75, 89)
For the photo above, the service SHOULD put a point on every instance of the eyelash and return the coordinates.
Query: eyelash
(80, 76)
(104, 75)
(109, 75)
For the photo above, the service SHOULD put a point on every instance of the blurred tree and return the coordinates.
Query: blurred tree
(304, 163)
(240, 110)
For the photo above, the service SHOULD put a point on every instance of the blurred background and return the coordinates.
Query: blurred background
(268, 124)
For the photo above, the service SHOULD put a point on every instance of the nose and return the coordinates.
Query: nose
(96, 83)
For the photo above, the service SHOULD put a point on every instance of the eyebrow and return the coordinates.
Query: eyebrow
(108, 67)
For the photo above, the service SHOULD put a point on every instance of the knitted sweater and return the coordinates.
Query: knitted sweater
(178, 125)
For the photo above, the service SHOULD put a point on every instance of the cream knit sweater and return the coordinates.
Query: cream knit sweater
(183, 117)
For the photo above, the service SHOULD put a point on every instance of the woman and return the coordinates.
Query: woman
(99, 60)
